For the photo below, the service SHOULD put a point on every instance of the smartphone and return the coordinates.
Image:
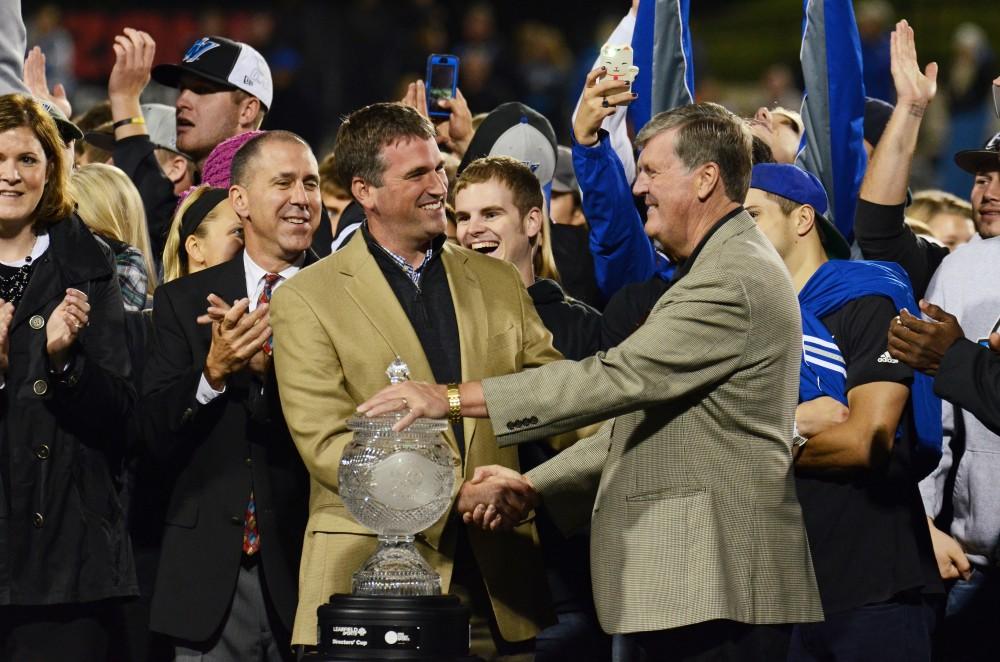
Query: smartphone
(441, 82)
(985, 342)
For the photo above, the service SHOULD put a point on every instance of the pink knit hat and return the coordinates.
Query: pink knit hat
(215, 172)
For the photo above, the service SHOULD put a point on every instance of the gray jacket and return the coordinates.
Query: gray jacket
(13, 43)
(965, 286)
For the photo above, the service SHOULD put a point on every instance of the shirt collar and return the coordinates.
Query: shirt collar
(255, 273)
(414, 273)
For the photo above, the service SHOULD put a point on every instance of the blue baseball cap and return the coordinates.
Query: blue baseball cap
(793, 183)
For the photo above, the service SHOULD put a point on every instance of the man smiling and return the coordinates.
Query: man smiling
(225, 587)
(397, 289)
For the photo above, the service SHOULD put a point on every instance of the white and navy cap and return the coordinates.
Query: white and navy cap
(225, 62)
(520, 132)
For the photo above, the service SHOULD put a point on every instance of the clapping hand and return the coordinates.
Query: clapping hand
(236, 337)
(6, 317)
(64, 325)
(496, 499)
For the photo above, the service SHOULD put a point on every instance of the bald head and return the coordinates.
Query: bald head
(245, 160)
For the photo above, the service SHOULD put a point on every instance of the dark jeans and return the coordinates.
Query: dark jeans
(972, 619)
(892, 631)
(712, 641)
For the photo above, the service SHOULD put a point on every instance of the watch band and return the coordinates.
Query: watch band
(454, 404)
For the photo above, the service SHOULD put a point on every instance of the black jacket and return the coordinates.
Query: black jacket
(209, 454)
(575, 326)
(62, 530)
(969, 377)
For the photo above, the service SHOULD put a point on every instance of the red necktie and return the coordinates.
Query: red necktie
(265, 297)
(251, 536)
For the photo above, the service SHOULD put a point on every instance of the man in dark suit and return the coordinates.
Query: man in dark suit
(226, 584)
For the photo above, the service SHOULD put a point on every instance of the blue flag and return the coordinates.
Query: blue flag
(833, 108)
(661, 43)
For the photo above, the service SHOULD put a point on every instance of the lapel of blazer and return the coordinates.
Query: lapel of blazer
(470, 312)
(371, 293)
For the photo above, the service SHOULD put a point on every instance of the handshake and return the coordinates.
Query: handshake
(496, 499)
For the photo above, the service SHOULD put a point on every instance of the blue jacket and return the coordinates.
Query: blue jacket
(622, 252)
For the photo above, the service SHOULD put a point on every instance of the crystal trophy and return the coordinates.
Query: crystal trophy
(397, 484)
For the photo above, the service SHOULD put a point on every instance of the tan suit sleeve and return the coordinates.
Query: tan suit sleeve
(568, 482)
(695, 337)
(311, 384)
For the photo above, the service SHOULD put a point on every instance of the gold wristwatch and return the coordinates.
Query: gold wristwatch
(454, 404)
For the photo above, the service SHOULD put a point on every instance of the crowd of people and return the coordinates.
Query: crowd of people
(718, 429)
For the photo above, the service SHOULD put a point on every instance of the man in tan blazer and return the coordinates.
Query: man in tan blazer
(397, 289)
(698, 549)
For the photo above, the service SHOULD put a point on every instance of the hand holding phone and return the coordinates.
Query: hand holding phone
(441, 83)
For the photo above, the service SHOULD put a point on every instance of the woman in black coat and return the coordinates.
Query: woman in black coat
(65, 559)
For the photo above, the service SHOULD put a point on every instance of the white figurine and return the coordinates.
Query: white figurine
(617, 59)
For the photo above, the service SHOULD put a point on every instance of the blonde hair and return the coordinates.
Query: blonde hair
(173, 265)
(930, 202)
(110, 205)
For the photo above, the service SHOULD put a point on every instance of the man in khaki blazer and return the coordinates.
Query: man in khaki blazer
(697, 541)
(338, 325)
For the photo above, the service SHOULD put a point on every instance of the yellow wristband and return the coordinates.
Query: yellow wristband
(139, 119)
(454, 404)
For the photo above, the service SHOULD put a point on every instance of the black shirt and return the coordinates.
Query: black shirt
(882, 235)
(431, 312)
(628, 309)
(867, 531)
(575, 326)
(575, 262)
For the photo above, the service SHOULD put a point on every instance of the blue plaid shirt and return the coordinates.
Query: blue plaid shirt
(414, 274)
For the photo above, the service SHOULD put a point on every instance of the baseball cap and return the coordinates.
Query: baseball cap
(232, 64)
(564, 180)
(795, 184)
(161, 123)
(67, 130)
(520, 132)
(980, 160)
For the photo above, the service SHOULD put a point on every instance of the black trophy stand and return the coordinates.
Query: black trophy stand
(425, 628)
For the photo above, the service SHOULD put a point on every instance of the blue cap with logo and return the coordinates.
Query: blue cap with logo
(793, 183)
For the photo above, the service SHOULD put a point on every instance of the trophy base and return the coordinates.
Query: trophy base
(395, 569)
(423, 628)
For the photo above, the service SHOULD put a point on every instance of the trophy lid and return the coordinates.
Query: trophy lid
(384, 422)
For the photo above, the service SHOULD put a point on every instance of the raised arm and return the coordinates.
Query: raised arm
(878, 226)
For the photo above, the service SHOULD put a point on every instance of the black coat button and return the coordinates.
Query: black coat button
(236, 519)
(42, 452)
(38, 520)
(36, 322)
(249, 461)
(40, 387)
